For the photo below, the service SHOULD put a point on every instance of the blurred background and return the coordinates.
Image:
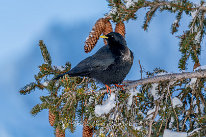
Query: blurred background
(64, 26)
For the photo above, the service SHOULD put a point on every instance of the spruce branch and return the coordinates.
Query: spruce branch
(38, 108)
(30, 87)
(149, 16)
(45, 53)
(173, 107)
(167, 77)
(176, 23)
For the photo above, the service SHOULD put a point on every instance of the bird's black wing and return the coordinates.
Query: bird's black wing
(101, 60)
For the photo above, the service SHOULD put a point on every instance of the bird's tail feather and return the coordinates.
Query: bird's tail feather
(71, 74)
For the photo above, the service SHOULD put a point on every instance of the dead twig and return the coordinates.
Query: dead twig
(140, 69)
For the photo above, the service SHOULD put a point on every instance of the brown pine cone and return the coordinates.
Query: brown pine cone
(97, 30)
(87, 131)
(60, 133)
(108, 29)
(51, 118)
(120, 28)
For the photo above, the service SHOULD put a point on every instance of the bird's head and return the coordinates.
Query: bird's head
(114, 39)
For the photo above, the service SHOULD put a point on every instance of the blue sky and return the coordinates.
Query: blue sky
(64, 26)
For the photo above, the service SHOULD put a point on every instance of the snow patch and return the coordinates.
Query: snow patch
(170, 133)
(130, 3)
(195, 130)
(162, 73)
(154, 91)
(171, 122)
(200, 68)
(45, 83)
(136, 126)
(194, 102)
(198, 37)
(175, 22)
(173, 8)
(193, 13)
(60, 68)
(191, 84)
(176, 102)
(168, 6)
(28, 88)
(133, 92)
(113, 11)
(87, 38)
(149, 113)
(106, 107)
(91, 100)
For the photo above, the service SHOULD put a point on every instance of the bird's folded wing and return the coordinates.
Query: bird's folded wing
(100, 61)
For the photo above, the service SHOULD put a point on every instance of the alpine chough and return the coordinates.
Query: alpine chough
(109, 65)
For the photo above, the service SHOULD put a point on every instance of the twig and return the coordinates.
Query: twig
(185, 119)
(154, 116)
(173, 108)
(192, 133)
(153, 9)
(161, 124)
(198, 93)
(194, 20)
(140, 68)
(80, 82)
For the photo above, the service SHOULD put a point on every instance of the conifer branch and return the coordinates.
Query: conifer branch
(45, 53)
(167, 77)
(176, 25)
(39, 107)
(173, 107)
(30, 87)
(149, 16)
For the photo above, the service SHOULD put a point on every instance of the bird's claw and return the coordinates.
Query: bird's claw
(120, 86)
(108, 88)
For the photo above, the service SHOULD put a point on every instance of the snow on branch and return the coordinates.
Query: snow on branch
(167, 77)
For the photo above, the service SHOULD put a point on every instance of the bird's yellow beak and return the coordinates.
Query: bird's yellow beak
(104, 37)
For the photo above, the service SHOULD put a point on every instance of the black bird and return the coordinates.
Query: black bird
(109, 65)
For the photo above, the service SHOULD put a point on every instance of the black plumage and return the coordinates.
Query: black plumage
(109, 65)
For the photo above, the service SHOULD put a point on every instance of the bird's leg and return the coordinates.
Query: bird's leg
(108, 88)
(120, 86)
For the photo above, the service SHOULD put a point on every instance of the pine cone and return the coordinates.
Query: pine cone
(120, 28)
(108, 29)
(97, 30)
(87, 131)
(51, 118)
(60, 133)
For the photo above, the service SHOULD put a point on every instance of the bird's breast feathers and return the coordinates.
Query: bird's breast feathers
(126, 56)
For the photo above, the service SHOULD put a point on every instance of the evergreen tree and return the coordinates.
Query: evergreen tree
(160, 103)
